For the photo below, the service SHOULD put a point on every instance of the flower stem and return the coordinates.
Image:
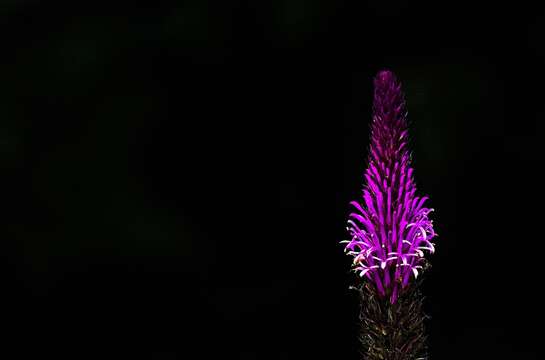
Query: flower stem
(392, 331)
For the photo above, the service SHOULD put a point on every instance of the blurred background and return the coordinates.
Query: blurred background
(176, 175)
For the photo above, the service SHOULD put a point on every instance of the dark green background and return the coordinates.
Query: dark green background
(176, 175)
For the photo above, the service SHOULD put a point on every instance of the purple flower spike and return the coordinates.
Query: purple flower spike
(390, 230)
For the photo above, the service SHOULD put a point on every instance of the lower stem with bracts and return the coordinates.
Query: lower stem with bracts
(392, 331)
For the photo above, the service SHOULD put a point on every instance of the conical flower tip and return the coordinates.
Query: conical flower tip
(389, 228)
(385, 77)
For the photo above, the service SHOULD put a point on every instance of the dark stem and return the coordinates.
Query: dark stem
(392, 331)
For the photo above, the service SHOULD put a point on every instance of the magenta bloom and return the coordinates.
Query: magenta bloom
(389, 228)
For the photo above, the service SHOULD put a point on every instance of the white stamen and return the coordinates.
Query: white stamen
(426, 248)
(423, 232)
(363, 272)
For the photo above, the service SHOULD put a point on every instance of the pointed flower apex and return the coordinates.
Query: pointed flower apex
(389, 228)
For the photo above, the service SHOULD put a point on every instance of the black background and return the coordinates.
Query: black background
(176, 176)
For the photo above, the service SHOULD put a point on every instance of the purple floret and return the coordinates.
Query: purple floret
(389, 229)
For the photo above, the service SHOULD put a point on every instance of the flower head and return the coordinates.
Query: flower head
(389, 228)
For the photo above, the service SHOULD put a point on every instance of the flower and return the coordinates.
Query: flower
(390, 229)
